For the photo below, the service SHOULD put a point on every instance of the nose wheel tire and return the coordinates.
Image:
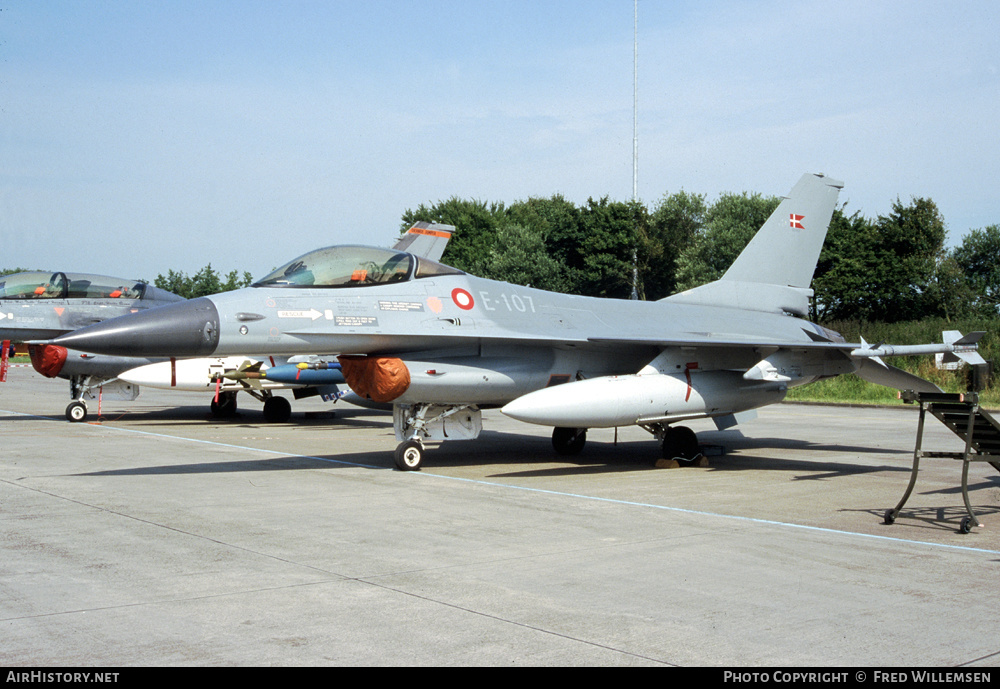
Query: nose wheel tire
(409, 456)
(76, 412)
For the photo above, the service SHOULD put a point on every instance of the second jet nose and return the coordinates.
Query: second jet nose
(189, 328)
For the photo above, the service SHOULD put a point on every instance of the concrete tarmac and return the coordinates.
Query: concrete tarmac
(159, 536)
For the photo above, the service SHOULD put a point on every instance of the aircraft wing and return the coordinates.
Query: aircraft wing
(710, 340)
(954, 344)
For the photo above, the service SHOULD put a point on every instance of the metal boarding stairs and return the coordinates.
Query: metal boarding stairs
(961, 413)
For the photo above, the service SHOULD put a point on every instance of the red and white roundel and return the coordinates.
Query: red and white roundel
(462, 299)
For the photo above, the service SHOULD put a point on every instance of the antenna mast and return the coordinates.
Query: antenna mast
(635, 101)
(635, 144)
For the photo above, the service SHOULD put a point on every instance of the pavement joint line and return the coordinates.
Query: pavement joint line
(580, 496)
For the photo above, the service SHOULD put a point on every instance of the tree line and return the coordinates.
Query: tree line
(203, 283)
(891, 268)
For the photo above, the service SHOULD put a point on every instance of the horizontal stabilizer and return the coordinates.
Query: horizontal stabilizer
(875, 371)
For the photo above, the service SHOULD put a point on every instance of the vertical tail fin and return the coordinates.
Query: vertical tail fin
(786, 248)
(774, 270)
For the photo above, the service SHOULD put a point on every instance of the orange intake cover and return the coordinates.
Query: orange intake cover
(377, 378)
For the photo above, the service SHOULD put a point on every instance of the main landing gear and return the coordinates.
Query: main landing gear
(276, 409)
(225, 407)
(681, 444)
(569, 441)
(676, 442)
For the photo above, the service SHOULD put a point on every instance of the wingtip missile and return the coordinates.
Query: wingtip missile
(954, 346)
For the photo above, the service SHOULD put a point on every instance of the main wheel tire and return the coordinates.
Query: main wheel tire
(409, 456)
(226, 406)
(277, 410)
(569, 441)
(76, 412)
(680, 443)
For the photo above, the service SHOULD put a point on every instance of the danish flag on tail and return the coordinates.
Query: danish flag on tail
(796, 221)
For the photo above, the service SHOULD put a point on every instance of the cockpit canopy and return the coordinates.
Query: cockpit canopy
(44, 285)
(353, 266)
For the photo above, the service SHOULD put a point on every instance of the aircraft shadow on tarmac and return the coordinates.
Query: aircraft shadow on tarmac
(289, 463)
(512, 454)
(190, 415)
(740, 454)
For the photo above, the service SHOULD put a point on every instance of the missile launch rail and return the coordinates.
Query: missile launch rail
(961, 413)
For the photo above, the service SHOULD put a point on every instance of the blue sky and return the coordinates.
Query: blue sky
(138, 137)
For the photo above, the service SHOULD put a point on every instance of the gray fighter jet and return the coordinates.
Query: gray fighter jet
(44, 305)
(40, 305)
(441, 345)
(260, 378)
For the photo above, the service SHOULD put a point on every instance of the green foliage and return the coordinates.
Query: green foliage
(11, 271)
(521, 258)
(891, 269)
(673, 225)
(552, 244)
(730, 224)
(911, 240)
(603, 258)
(978, 259)
(555, 219)
(842, 280)
(951, 294)
(203, 283)
(476, 225)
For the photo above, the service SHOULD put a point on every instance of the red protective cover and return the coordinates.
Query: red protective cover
(47, 359)
(377, 378)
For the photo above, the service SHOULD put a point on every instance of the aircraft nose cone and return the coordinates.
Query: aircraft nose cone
(189, 328)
